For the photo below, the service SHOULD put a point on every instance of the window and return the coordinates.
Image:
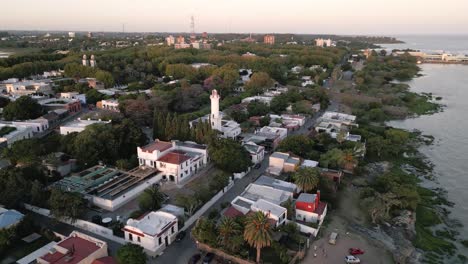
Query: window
(172, 229)
(139, 239)
(130, 237)
(160, 241)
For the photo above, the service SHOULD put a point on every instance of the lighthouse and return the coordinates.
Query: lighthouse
(215, 117)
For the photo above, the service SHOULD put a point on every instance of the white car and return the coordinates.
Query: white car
(352, 259)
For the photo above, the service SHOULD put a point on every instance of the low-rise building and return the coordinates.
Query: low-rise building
(153, 231)
(9, 133)
(281, 132)
(177, 160)
(257, 153)
(306, 81)
(71, 105)
(38, 125)
(282, 162)
(109, 104)
(79, 125)
(77, 248)
(201, 45)
(24, 88)
(92, 83)
(336, 124)
(74, 96)
(264, 99)
(58, 163)
(309, 208)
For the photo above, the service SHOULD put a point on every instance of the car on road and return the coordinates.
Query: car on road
(194, 259)
(356, 251)
(208, 258)
(333, 237)
(352, 259)
(180, 236)
(257, 166)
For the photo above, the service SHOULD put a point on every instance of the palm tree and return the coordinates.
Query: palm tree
(349, 160)
(228, 229)
(151, 199)
(257, 231)
(307, 178)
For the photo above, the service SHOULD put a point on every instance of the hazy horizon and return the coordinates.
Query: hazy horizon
(352, 17)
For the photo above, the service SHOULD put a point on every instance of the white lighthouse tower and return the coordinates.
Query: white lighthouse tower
(215, 117)
(85, 60)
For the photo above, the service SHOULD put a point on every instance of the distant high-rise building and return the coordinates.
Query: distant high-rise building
(90, 34)
(204, 35)
(85, 60)
(180, 40)
(92, 62)
(71, 34)
(323, 42)
(269, 39)
(170, 40)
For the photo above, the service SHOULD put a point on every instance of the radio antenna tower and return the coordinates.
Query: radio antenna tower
(192, 28)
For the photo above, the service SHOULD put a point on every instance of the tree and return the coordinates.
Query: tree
(228, 230)
(376, 145)
(66, 205)
(151, 199)
(258, 83)
(229, 155)
(257, 108)
(333, 158)
(228, 74)
(279, 104)
(257, 231)
(300, 145)
(307, 178)
(205, 231)
(105, 77)
(23, 108)
(131, 253)
(93, 96)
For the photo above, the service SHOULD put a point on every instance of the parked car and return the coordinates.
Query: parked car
(356, 251)
(333, 237)
(208, 258)
(257, 166)
(194, 259)
(352, 259)
(180, 236)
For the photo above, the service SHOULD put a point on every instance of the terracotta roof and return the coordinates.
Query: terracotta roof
(232, 212)
(78, 247)
(174, 157)
(157, 145)
(105, 260)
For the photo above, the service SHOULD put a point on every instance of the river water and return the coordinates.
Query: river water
(449, 153)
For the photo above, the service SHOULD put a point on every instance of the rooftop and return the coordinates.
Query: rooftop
(280, 155)
(152, 224)
(73, 249)
(268, 207)
(306, 198)
(254, 192)
(157, 145)
(175, 157)
(275, 183)
(9, 218)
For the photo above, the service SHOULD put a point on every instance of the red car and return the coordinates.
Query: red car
(356, 251)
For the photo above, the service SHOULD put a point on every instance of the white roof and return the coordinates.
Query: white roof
(310, 163)
(37, 254)
(268, 207)
(254, 192)
(153, 223)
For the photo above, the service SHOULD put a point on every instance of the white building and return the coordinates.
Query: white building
(38, 125)
(257, 153)
(10, 133)
(177, 160)
(281, 132)
(245, 75)
(334, 123)
(109, 104)
(306, 81)
(228, 128)
(263, 99)
(71, 34)
(282, 162)
(74, 96)
(323, 42)
(28, 87)
(153, 231)
(79, 125)
(309, 208)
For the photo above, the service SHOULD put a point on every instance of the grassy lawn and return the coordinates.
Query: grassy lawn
(23, 249)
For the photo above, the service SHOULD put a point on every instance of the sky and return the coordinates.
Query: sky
(391, 17)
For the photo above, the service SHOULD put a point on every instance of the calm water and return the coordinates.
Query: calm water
(447, 43)
(449, 153)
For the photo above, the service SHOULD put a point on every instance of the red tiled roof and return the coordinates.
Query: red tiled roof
(174, 157)
(232, 212)
(105, 260)
(78, 247)
(157, 145)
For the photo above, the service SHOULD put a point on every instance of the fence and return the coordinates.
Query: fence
(206, 206)
(224, 255)
(82, 224)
